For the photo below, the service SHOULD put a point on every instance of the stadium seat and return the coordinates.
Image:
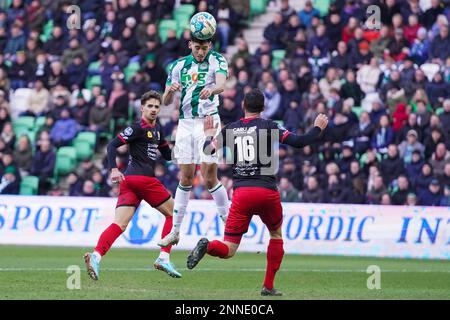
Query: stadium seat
(89, 137)
(39, 123)
(66, 161)
(29, 185)
(277, 56)
(164, 26)
(93, 81)
(322, 6)
(439, 111)
(182, 24)
(184, 11)
(257, 7)
(84, 150)
(357, 110)
(130, 70)
(47, 31)
(24, 121)
(94, 68)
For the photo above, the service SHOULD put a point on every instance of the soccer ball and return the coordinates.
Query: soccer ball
(203, 26)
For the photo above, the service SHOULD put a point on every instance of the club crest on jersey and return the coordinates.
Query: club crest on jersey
(128, 131)
(149, 134)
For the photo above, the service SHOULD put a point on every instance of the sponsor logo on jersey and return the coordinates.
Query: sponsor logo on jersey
(149, 134)
(244, 130)
(188, 80)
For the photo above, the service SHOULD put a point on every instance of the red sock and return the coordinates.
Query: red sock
(275, 254)
(217, 248)
(107, 238)
(165, 231)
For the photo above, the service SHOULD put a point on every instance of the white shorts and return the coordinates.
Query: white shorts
(190, 139)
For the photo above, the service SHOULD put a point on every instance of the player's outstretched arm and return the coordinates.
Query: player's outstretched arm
(299, 141)
(169, 92)
(111, 149)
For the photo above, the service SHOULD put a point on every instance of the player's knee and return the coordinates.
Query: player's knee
(186, 181)
(276, 234)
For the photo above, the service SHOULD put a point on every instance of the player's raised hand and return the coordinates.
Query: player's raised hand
(174, 87)
(321, 121)
(205, 93)
(117, 176)
(208, 126)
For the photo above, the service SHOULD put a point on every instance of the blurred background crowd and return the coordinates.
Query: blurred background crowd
(64, 92)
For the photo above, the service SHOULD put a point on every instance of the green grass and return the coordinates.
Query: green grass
(40, 273)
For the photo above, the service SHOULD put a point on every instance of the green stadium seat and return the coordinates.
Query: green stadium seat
(439, 111)
(25, 121)
(89, 137)
(357, 110)
(257, 7)
(94, 67)
(323, 6)
(93, 81)
(130, 70)
(40, 122)
(183, 11)
(29, 185)
(66, 161)
(164, 26)
(182, 24)
(46, 31)
(20, 129)
(277, 56)
(84, 150)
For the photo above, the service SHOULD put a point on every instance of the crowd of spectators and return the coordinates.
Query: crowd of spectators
(385, 88)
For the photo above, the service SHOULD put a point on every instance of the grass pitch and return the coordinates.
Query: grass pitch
(40, 273)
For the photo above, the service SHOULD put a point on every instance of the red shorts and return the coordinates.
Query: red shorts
(248, 201)
(134, 189)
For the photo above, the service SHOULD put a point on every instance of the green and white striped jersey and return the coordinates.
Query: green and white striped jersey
(193, 77)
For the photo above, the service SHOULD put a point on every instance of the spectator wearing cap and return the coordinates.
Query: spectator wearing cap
(312, 193)
(64, 130)
(439, 158)
(431, 196)
(9, 180)
(411, 143)
(362, 56)
(392, 166)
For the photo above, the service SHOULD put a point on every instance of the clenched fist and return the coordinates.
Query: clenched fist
(321, 121)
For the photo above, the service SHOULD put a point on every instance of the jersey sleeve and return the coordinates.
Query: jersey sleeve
(219, 64)
(173, 74)
(131, 133)
(164, 147)
(283, 133)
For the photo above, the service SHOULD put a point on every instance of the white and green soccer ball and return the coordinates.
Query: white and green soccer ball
(203, 26)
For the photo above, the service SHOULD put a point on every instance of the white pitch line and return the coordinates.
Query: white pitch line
(227, 270)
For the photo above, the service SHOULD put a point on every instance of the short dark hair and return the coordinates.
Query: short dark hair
(152, 94)
(254, 101)
(195, 39)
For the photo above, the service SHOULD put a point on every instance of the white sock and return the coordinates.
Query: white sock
(97, 256)
(164, 256)
(220, 197)
(182, 196)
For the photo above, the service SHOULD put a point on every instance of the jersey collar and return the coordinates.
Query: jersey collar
(247, 120)
(145, 124)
